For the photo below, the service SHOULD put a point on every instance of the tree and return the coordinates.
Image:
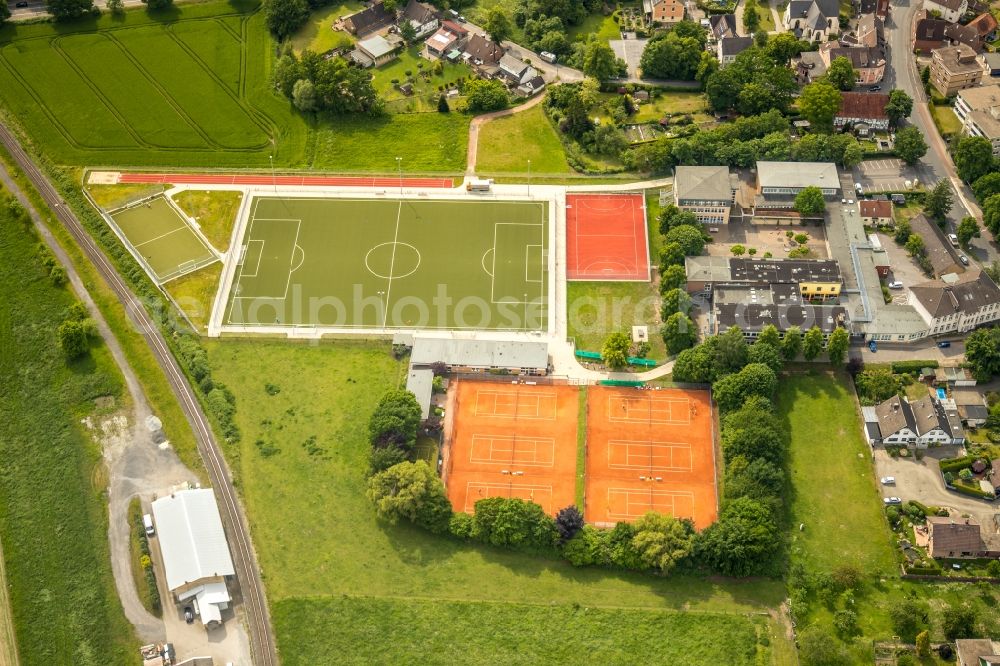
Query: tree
(812, 343)
(514, 522)
(819, 103)
(910, 145)
(809, 202)
(783, 47)
(754, 379)
(599, 60)
(973, 157)
(158, 4)
(743, 540)
(877, 385)
(671, 254)
(116, 7)
(678, 332)
(675, 300)
(696, 365)
(410, 491)
(730, 350)
(818, 648)
(915, 245)
(967, 229)
(671, 57)
(791, 344)
(486, 95)
(284, 17)
(738, 250)
(925, 76)
(769, 335)
(991, 213)
(903, 231)
(958, 622)
(756, 478)
(443, 104)
(908, 617)
(498, 25)
(671, 216)
(839, 343)
(63, 10)
(395, 420)
(73, 340)
(766, 353)
(674, 278)
(841, 75)
(660, 541)
(853, 155)
(899, 107)
(751, 17)
(982, 352)
(939, 201)
(569, 521)
(923, 644)
(614, 353)
(407, 32)
(752, 441)
(986, 186)
(5, 12)
(688, 237)
(304, 95)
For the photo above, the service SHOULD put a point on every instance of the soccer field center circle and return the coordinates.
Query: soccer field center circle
(392, 260)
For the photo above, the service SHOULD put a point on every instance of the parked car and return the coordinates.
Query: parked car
(858, 187)
(548, 57)
(147, 523)
(944, 344)
(953, 239)
(22, 3)
(888, 480)
(875, 88)
(188, 615)
(964, 259)
(872, 347)
(892, 500)
(895, 284)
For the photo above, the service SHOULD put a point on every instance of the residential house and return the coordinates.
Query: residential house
(512, 70)
(875, 212)
(783, 180)
(868, 61)
(870, 31)
(809, 66)
(879, 8)
(955, 538)
(812, 20)
(985, 25)
(969, 302)
(979, 111)
(862, 107)
(371, 19)
(423, 18)
(448, 40)
(977, 652)
(531, 86)
(934, 33)
(483, 55)
(991, 63)
(706, 191)
(729, 47)
(920, 423)
(950, 10)
(722, 25)
(376, 50)
(663, 12)
(955, 68)
(971, 406)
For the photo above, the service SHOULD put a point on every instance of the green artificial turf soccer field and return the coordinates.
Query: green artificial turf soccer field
(378, 263)
(169, 246)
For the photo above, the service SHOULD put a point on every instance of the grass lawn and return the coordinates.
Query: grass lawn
(319, 541)
(479, 10)
(214, 211)
(318, 34)
(425, 90)
(194, 294)
(669, 102)
(947, 122)
(597, 24)
(53, 524)
(834, 494)
(383, 631)
(506, 144)
(597, 309)
(766, 17)
(110, 197)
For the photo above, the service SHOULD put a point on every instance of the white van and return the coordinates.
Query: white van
(479, 185)
(147, 522)
(548, 57)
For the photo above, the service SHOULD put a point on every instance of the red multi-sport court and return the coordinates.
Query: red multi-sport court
(606, 237)
(252, 179)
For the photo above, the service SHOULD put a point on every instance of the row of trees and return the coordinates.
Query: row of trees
(69, 10)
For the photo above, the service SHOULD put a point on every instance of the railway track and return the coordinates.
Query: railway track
(258, 619)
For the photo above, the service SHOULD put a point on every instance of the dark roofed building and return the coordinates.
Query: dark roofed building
(954, 537)
(369, 20)
(935, 33)
(483, 54)
(785, 270)
(939, 252)
(730, 47)
(878, 7)
(921, 423)
(985, 25)
(752, 318)
(812, 20)
(973, 300)
(423, 17)
(723, 25)
(868, 61)
(862, 107)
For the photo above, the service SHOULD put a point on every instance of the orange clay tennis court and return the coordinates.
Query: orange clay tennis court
(606, 237)
(649, 450)
(513, 440)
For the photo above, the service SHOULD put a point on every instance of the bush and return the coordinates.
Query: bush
(912, 367)
(460, 525)
(513, 522)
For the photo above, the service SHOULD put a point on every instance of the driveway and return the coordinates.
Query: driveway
(920, 480)
(629, 50)
(903, 268)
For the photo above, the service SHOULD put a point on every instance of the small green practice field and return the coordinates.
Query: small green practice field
(376, 263)
(318, 34)
(337, 577)
(164, 239)
(834, 488)
(507, 144)
(595, 310)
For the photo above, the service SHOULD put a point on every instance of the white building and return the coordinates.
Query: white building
(706, 191)
(950, 10)
(195, 553)
(812, 20)
(920, 423)
(786, 179)
(979, 111)
(970, 301)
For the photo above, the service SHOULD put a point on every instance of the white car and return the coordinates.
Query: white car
(888, 480)
(895, 284)
(892, 500)
(548, 57)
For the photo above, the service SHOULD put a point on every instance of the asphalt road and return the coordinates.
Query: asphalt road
(936, 164)
(237, 532)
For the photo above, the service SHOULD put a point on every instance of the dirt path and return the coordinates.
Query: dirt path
(135, 463)
(478, 122)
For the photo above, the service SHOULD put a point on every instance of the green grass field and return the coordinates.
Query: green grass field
(425, 90)
(389, 263)
(835, 495)
(53, 521)
(506, 144)
(167, 243)
(214, 211)
(318, 538)
(192, 88)
(318, 34)
(597, 309)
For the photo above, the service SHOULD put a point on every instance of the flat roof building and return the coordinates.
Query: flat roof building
(786, 179)
(955, 68)
(460, 355)
(420, 382)
(706, 191)
(979, 111)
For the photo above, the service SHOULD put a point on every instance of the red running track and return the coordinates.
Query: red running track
(606, 237)
(250, 179)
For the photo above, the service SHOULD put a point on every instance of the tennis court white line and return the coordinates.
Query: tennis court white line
(517, 404)
(647, 457)
(506, 490)
(181, 228)
(649, 405)
(645, 499)
(518, 445)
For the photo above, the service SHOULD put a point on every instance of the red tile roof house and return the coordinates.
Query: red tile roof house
(877, 213)
(957, 538)
(859, 107)
(985, 25)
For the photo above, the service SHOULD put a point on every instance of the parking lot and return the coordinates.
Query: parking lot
(629, 50)
(889, 175)
(904, 269)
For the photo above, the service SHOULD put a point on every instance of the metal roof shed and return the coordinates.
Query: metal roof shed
(191, 538)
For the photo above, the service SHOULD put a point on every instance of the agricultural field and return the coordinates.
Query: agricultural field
(506, 144)
(192, 92)
(331, 566)
(64, 604)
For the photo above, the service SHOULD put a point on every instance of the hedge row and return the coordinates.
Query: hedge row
(972, 492)
(956, 464)
(911, 367)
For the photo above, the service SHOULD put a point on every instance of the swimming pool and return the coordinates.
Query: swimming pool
(941, 394)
